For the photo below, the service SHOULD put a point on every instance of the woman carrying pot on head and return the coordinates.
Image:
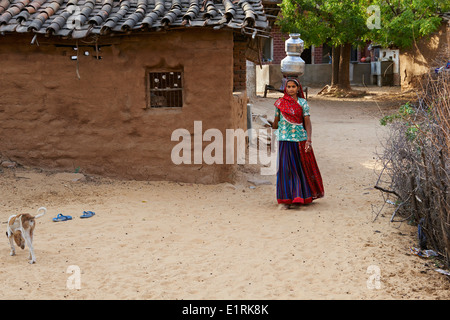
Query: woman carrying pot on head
(298, 176)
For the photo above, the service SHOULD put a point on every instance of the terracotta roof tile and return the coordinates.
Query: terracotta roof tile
(80, 18)
(445, 15)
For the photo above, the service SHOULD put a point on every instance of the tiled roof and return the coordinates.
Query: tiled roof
(446, 16)
(80, 18)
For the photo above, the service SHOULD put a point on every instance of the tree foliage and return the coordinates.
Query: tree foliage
(345, 23)
(404, 21)
(337, 22)
(334, 22)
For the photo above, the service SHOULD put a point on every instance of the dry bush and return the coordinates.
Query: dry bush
(416, 165)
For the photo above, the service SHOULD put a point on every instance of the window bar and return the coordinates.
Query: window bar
(165, 89)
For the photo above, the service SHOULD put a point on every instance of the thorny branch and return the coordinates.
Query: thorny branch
(416, 167)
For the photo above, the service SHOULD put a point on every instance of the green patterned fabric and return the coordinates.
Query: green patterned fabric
(291, 132)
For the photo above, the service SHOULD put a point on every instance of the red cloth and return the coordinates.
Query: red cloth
(311, 170)
(291, 110)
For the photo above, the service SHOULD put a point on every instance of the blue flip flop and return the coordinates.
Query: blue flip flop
(87, 214)
(61, 217)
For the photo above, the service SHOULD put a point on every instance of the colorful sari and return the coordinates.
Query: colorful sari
(298, 177)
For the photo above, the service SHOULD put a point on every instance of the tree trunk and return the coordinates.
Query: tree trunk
(335, 57)
(344, 67)
(340, 71)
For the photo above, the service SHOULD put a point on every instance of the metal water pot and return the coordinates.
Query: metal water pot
(293, 64)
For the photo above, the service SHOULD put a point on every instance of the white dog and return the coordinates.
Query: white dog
(21, 227)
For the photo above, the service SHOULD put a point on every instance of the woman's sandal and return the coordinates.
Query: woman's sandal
(87, 214)
(61, 217)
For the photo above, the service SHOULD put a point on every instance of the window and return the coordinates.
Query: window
(165, 89)
(354, 54)
(267, 51)
(326, 53)
(306, 55)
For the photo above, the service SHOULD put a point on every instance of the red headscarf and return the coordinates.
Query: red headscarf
(291, 110)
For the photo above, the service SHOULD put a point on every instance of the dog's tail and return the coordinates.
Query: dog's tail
(41, 214)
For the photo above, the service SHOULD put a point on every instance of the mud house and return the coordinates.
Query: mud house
(425, 55)
(101, 85)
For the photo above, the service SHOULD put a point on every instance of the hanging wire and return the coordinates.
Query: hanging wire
(78, 64)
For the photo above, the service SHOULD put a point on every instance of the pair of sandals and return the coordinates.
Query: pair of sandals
(61, 217)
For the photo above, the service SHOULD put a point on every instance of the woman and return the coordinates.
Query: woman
(298, 177)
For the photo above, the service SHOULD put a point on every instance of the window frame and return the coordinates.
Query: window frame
(148, 89)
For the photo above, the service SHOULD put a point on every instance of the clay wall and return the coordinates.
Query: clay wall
(425, 55)
(100, 121)
(239, 63)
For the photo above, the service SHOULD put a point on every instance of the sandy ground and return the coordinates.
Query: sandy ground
(169, 240)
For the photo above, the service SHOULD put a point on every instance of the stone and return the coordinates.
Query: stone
(9, 164)
(70, 177)
(258, 182)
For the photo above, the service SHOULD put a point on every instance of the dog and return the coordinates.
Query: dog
(20, 230)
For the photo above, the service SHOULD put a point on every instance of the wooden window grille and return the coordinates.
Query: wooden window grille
(166, 89)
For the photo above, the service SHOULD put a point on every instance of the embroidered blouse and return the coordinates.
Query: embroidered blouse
(292, 132)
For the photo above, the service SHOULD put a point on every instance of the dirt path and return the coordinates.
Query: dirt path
(166, 240)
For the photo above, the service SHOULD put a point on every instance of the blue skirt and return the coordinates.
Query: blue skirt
(298, 176)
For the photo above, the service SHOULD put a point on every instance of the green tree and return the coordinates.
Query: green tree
(404, 21)
(343, 23)
(338, 23)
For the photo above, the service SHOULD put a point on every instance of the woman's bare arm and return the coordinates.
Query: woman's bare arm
(275, 122)
(308, 128)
